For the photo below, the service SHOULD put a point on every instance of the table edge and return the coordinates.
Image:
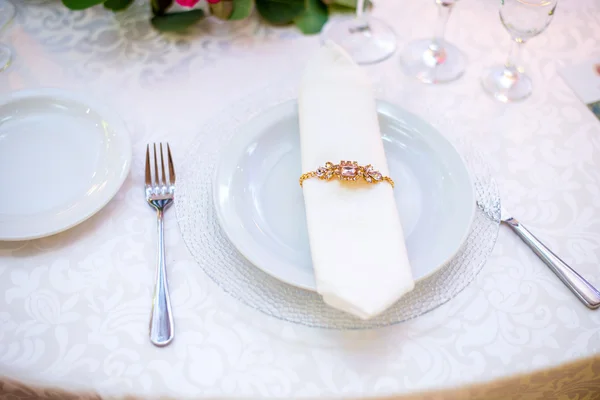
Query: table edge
(580, 376)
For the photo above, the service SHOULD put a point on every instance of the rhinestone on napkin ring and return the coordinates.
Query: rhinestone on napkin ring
(347, 171)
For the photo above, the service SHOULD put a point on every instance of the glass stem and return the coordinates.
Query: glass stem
(360, 9)
(444, 10)
(362, 25)
(513, 62)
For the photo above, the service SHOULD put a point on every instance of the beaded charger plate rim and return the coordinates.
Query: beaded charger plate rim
(222, 262)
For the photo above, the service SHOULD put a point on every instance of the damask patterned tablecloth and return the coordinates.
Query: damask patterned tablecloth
(74, 307)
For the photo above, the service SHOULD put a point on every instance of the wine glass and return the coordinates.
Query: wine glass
(523, 19)
(434, 60)
(366, 39)
(7, 12)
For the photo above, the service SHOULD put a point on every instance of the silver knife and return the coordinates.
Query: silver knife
(588, 294)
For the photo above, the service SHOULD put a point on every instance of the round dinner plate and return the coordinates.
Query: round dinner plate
(62, 158)
(260, 205)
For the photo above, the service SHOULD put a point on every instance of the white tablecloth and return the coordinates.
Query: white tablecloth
(74, 308)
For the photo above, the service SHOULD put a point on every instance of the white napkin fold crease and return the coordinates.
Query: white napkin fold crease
(356, 239)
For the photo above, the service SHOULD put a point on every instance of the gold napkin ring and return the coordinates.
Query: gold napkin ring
(347, 171)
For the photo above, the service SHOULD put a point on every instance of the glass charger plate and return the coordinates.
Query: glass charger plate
(222, 262)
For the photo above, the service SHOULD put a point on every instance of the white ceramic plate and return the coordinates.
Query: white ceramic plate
(261, 209)
(62, 158)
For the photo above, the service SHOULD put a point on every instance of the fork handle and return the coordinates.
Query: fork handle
(584, 290)
(161, 322)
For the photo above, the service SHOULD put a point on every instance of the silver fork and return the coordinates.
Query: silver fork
(160, 193)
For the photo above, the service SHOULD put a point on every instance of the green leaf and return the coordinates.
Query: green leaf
(345, 6)
(160, 7)
(337, 9)
(222, 10)
(344, 3)
(280, 12)
(313, 18)
(117, 5)
(81, 4)
(177, 22)
(241, 9)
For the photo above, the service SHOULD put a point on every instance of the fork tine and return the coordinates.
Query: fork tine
(162, 166)
(148, 173)
(155, 167)
(171, 167)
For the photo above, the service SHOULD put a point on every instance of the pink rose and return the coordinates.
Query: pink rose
(187, 3)
(213, 1)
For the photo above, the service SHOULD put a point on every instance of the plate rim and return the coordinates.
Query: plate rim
(125, 149)
(230, 236)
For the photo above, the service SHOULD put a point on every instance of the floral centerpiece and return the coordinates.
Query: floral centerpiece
(308, 15)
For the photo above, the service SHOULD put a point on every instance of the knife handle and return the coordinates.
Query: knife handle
(584, 290)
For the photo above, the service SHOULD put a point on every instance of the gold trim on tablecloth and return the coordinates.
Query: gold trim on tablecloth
(576, 380)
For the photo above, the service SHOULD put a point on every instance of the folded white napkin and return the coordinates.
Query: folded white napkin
(354, 230)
